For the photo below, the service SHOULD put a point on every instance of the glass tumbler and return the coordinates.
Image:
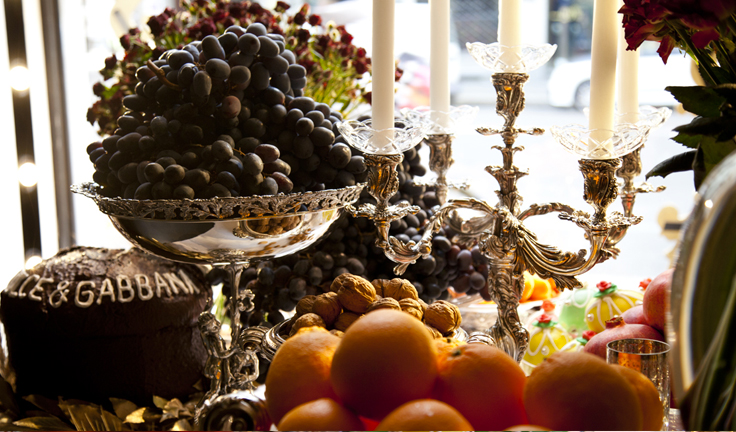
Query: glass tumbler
(651, 358)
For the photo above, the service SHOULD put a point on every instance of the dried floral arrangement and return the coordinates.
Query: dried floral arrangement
(337, 70)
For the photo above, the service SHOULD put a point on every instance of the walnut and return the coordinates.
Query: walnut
(384, 303)
(413, 307)
(306, 320)
(378, 285)
(305, 305)
(354, 292)
(328, 307)
(344, 320)
(433, 332)
(398, 289)
(444, 316)
(337, 333)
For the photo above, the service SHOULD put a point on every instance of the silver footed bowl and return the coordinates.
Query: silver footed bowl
(224, 230)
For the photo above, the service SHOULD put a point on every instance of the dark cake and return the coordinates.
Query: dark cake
(92, 323)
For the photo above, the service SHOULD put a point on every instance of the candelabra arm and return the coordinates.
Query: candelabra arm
(543, 209)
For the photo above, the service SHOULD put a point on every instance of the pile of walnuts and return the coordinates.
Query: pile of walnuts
(352, 296)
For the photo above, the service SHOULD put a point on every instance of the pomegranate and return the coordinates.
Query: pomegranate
(635, 315)
(656, 297)
(617, 329)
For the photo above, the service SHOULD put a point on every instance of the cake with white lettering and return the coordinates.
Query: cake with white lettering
(93, 323)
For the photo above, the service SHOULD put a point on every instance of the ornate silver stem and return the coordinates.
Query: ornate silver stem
(510, 247)
(440, 161)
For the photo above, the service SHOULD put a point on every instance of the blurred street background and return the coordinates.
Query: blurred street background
(555, 95)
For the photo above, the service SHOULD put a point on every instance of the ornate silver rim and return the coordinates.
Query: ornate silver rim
(220, 208)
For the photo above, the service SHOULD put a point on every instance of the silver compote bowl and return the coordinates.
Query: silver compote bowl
(232, 232)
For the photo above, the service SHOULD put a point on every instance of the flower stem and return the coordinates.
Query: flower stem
(702, 60)
(726, 57)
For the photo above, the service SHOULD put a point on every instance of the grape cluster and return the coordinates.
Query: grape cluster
(350, 248)
(221, 117)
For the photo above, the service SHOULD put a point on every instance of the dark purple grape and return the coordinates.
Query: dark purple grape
(135, 102)
(235, 29)
(297, 288)
(239, 59)
(217, 69)
(110, 144)
(339, 156)
(247, 145)
(212, 49)
(253, 128)
(296, 71)
(129, 142)
(190, 160)
(302, 103)
(298, 83)
(228, 42)
(257, 29)
(232, 165)
(143, 192)
(201, 84)
(249, 44)
(230, 107)
(477, 280)
(174, 174)
(183, 192)
(464, 260)
(272, 96)
(228, 180)
(284, 183)
(162, 190)
(143, 74)
(302, 147)
(283, 83)
(128, 123)
(221, 151)
(304, 126)
(117, 160)
(357, 166)
(322, 137)
(96, 153)
(311, 163)
(276, 65)
(316, 116)
(197, 178)
(268, 187)
(252, 164)
(260, 77)
(267, 153)
(344, 179)
(268, 48)
(239, 77)
(179, 58)
(442, 243)
(128, 173)
(266, 276)
(277, 114)
(289, 56)
(294, 115)
(277, 166)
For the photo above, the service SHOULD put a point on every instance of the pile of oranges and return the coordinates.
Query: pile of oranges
(387, 373)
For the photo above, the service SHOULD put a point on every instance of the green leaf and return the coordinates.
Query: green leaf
(699, 100)
(691, 141)
(46, 404)
(710, 126)
(678, 163)
(714, 152)
(43, 423)
(728, 91)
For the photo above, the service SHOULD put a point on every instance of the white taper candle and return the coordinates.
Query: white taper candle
(383, 64)
(439, 60)
(603, 68)
(509, 31)
(628, 80)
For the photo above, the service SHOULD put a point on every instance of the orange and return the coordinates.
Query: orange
(526, 427)
(386, 358)
(321, 414)
(579, 391)
(484, 383)
(300, 372)
(651, 406)
(528, 287)
(424, 415)
(542, 289)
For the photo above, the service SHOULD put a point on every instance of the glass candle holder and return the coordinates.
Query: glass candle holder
(650, 358)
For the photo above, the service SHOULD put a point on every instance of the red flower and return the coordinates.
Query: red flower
(360, 53)
(544, 318)
(282, 6)
(346, 38)
(398, 74)
(603, 285)
(236, 10)
(702, 38)
(300, 18)
(219, 16)
(666, 45)
(315, 20)
(360, 67)
(110, 62)
(125, 41)
(302, 35)
(157, 24)
(368, 96)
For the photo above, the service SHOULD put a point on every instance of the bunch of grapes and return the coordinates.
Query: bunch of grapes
(350, 248)
(222, 117)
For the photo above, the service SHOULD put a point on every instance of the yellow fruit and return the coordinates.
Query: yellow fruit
(608, 303)
(546, 337)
